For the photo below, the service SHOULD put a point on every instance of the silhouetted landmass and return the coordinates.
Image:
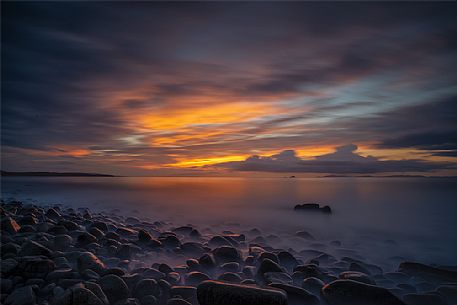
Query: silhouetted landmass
(53, 174)
(389, 176)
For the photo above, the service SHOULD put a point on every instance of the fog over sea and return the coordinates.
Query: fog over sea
(386, 220)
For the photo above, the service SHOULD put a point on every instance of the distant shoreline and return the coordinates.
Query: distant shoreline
(51, 174)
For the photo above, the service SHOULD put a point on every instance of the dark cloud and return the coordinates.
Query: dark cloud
(343, 161)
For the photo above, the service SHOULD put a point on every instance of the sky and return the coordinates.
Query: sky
(229, 88)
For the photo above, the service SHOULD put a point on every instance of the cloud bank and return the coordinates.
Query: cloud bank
(344, 160)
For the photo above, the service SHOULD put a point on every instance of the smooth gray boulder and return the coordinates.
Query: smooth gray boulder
(114, 287)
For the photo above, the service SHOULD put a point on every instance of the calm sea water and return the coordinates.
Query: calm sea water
(381, 218)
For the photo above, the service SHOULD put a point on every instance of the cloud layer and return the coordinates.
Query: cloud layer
(343, 161)
(158, 88)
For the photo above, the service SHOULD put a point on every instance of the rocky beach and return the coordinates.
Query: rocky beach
(55, 254)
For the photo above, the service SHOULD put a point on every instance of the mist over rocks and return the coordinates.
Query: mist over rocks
(75, 256)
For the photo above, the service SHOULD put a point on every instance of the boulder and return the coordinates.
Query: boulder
(78, 296)
(428, 272)
(21, 296)
(88, 260)
(145, 287)
(213, 292)
(348, 292)
(297, 295)
(313, 207)
(226, 254)
(9, 225)
(114, 287)
(32, 248)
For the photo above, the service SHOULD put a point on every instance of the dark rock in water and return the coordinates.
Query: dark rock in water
(296, 295)
(78, 296)
(86, 238)
(226, 254)
(267, 265)
(231, 267)
(149, 300)
(213, 292)
(313, 207)
(145, 287)
(177, 301)
(97, 290)
(35, 266)
(218, 241)
(305, 235)
(187, 293)
(287, 260)
(9, 225)
(129, 301)
(207, 261)
(165, 268)
(170, 241)
(277, 277)
(356, 276)
(194, 278)
(230, 277)
(270, 256)
(428, 272)
(449, 292)
(348, 292)
(185, 230)
(312, 284)
(62, 242)
(53, 214)
(114, 288)
(21, 296)
(192, 248)
(8, 265)
(31, 248)
(144, 236)
(88, 260)
(100, 225)
(424, 299)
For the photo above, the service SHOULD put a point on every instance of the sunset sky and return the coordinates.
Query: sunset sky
(227, 88)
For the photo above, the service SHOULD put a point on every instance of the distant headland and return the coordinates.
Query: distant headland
(53, 174)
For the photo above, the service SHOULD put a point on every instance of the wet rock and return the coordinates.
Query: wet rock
(62, 242)
(88, 260)
(428, 272)
(78, 296)
(230, 277)
(267, 265)
(129, 301)
(177, 301)
(149, 300)
(21, 296)
(184, 230)
(213, 292)
(144, 236)
(195, 278)
(287, 260)
(86, 238)
(277, 277)
(313, 285)
(296, 295)
(8, 265)
(187, 293)
(207, 261)
(424, 299)
(218, 241)
(231, 267)
(313, 207)
(100, 225)
(114, 287)
(53, 214)
(348, 292)
(145, 287)
(192, 248)
(97, 290)
(170, 241)
(449, 292)
(226, 254)
(356, 276)
(32, 248)
(304, 235)
(35, 266)
(9, 225)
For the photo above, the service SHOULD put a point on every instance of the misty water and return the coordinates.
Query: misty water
(383, 220)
